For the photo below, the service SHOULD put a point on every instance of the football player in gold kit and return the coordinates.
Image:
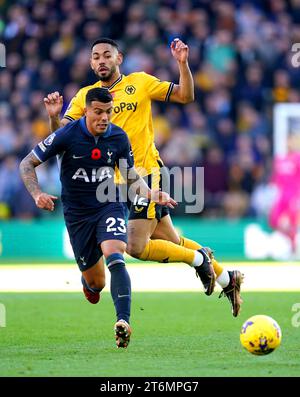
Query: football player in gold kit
(151, 234)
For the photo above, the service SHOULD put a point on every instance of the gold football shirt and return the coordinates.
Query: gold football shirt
(132, 96)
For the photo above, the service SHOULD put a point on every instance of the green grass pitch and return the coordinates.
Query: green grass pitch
(174, 334)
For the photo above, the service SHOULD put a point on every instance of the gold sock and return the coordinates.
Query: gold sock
(191, 244)
(185, 242)
(166, 251)
(217, 267)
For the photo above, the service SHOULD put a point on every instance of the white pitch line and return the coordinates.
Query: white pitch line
(179, 277)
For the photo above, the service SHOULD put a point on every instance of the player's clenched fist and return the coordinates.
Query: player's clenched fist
(45, 201)
(53, 103)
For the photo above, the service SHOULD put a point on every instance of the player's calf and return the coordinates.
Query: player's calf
(92, 294)
(120, 288)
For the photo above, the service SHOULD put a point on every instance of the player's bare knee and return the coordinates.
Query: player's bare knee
(136, 243)
(113, 247)
(135, 249)
(98, 283)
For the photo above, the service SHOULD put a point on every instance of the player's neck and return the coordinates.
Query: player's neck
(111, 81)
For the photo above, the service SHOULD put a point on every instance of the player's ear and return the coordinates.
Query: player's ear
(119, 58)
(84, 111)
(91, 63)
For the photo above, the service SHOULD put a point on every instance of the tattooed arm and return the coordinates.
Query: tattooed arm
(28, 174)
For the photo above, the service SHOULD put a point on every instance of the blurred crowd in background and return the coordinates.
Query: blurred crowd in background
(240, 58)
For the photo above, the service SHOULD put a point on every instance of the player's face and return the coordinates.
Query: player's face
(98, 115)
(105, 61)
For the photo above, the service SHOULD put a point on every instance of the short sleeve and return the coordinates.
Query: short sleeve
(51, 146)
(127, 155)
(75, 110)
(157, 89)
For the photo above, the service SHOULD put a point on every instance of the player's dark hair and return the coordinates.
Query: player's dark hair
(105, 40)
(98, 94)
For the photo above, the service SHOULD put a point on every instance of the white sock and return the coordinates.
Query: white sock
(223, 279)
(198, 259)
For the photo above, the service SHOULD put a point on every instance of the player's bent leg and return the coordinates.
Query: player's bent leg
(93, 281)
(165, 230)
(109, 247)
(120, 288)
(218, 268)
(139, 232)
(140, 246)
(167, 252)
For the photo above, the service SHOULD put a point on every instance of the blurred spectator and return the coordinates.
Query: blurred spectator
(9, 184)
(235, 205)
(215, 179)
(225, 136)
(281, 86)
(251, 88)
(220, 51)
(250, 121)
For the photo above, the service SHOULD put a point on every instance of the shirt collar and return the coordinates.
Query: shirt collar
(114, 83)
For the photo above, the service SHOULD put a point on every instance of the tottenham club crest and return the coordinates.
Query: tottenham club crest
(109, 154)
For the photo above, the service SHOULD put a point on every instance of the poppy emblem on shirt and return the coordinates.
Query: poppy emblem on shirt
(96, 154)
(130, 89)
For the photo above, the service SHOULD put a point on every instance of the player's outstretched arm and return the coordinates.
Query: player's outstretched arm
(184, 91)
(137, 185)
(161, 198)
(29, 177)
(53, 104)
